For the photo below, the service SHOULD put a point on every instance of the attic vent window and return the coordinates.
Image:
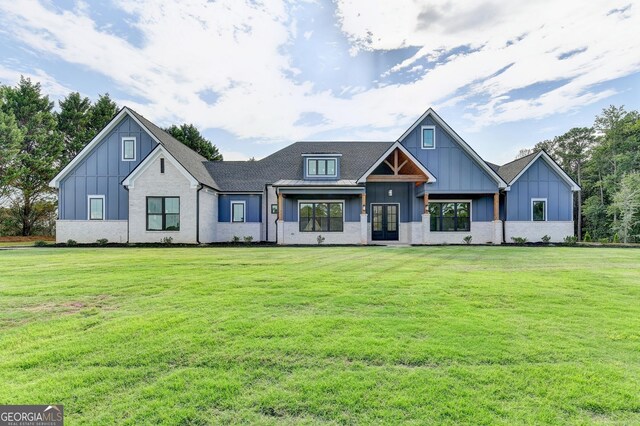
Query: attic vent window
(428, 137)
(129, 149)
(321, 167)
(162, 165)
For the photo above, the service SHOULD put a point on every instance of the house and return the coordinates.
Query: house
(135, 183)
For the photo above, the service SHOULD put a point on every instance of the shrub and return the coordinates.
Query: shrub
(616, 238)
(467, 239)
(519, 240)
(320, 239)
(102, 241)
(247, 239)
(587, 237)
(40, 243)
(167, 241)
(570, 240)
(72, 243)
(603, 240)
(235, 239)
(546, 239)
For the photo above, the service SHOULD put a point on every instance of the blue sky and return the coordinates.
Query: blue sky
(255, 76)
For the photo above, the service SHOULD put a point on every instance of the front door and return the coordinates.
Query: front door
(384, 222)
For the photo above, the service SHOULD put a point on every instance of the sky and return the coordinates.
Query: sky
(255, 76)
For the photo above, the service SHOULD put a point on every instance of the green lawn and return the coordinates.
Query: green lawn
(442, 335)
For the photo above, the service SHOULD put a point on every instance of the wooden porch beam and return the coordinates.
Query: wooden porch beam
(396, 178)
(363, 197)
(496, 206)
(426, 202)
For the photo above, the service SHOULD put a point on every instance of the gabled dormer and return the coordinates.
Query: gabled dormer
(325, 166)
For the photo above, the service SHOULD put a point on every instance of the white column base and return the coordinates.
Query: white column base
(364, 227)
(497, 232)
(426, 228)
(280, 226)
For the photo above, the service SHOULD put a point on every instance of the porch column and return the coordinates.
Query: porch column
(426, 221)
(280, 222)
(364, 226)
(497, 223)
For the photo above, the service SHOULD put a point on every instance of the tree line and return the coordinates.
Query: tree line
(604, 160)
(38, 140)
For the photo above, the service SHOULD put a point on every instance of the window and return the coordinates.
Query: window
(539, 209)
(163, 213)
(450, 216)
(322, 167)
(96, 207)
(162, 165)
(237, 211)
(428, 137)
(129, 149)
(321, 217)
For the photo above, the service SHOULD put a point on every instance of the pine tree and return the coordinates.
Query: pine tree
(189, 135)
(40, 148)
(74, 122)
(101, 113)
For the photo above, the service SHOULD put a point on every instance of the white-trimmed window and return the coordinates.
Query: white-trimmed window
(238, 211)
(321, 216)
(428, 136)
(129, 148)
(95, 207)
(322, 167)
(539, 209)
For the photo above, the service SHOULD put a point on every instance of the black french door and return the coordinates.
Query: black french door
(384, 222)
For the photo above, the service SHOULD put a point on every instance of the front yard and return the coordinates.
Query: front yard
(440, 335)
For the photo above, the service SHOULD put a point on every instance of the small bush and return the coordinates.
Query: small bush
(616, 238)
(40, 243)
(603, 241)
(467, 239)
(167, 241)
(570, 240)
(519, 240)
(235, 239)
(248, 239)
(102, 241)
(72, 243)
(587, 237)
(546, 239)
(320, 239)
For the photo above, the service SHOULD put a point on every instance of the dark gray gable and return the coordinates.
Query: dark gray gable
(509, 171)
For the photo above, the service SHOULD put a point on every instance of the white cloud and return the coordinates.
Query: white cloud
(49, 85)
(239, 51)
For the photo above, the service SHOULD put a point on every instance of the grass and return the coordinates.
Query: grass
(443, 335)
(19, 241)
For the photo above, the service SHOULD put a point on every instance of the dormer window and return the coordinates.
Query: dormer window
(322, 167)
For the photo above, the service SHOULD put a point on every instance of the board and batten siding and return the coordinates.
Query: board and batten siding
(101, 172)
(253, 207)
(453, 168)
(540, 181)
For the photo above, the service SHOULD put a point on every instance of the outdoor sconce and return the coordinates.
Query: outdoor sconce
(390, 193)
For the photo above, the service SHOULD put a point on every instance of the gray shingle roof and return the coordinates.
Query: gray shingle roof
(510, 170)
(188, 158)
(286, 164)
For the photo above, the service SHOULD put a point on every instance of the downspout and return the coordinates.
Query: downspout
(277, 194)
(266, 213)
(504, 222)
(128, 211)
(198, 213)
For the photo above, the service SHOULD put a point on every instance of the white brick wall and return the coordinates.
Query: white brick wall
(534, 231)
(88, 231)
(227, 230)
(208, 215)
(481, 233)
(292, 235)
(170, 184)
